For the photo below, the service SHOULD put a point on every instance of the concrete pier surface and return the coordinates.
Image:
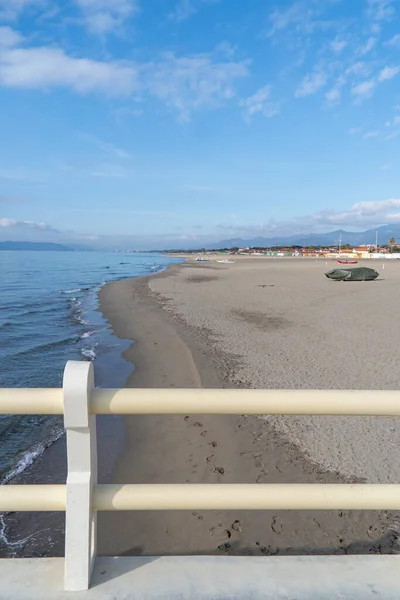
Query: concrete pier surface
(210, 578)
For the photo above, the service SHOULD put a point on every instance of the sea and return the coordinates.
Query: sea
(48, 315)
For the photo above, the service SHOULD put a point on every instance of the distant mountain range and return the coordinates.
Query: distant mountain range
(315, 239)
(42, 246)
(385, 232)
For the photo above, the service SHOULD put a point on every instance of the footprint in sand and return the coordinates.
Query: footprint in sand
(277, 524)
(228, 533)
(236, 526)
(219, 470)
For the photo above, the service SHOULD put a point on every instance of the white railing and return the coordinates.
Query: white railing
(82, 497)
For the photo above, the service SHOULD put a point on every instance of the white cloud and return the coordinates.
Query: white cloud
(303, 17)
(281, 19)
(11, 9)
(9, 37)
(185, 84)
(394, 123)
(371, 134)
(388, 73)
(184, 9)
(259, 103)
(393, 135)
(380, 10)
(333, 96)
(368, 46)
(191, 83)
(311, 83)
(45, 68)
(5, 222)
(361, 214)
(225, 49)
(103, 16)
(338, 45)
(394, 41)
(363, 90)
(377, 207)
(359, 69)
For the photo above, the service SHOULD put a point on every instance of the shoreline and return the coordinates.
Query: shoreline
(170, 352)
(26, 534)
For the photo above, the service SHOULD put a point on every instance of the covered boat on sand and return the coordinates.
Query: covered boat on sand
(358, 274)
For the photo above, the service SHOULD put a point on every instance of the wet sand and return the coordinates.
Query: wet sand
(257, 323)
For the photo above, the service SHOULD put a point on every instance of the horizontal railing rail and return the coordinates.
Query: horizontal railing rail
(82, 496)
(49, 401)
(218, 496)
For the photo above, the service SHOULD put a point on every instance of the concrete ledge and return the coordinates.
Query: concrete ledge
(210, 578)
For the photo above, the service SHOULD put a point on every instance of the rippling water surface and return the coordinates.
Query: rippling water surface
(48, 315)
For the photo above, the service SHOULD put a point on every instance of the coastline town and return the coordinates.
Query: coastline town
(368, 251)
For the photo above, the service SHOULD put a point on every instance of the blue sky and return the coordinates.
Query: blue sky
(171, 122)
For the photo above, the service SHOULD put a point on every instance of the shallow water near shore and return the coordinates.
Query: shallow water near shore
(48, 315)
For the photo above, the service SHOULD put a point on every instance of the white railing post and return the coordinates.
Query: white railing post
(80, 519)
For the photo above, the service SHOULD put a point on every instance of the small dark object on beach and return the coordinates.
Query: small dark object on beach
(224, 547)
(358, 274)
(236, 526)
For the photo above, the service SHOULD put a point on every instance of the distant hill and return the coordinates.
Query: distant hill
(315, 239)
(41, 246)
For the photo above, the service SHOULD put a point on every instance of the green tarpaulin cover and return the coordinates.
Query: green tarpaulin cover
(358, 274)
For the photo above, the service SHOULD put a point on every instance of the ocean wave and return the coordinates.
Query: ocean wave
(20, 543)
(89, 333)
(28, 458)
(74, 291)
(89, 353)
(75, 302)
(78, 318)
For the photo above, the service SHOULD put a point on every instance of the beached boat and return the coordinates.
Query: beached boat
(347, 262)
(357, 274)
(226, 261)
(202, 259)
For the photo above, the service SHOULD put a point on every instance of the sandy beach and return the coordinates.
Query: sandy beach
(258, 323)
